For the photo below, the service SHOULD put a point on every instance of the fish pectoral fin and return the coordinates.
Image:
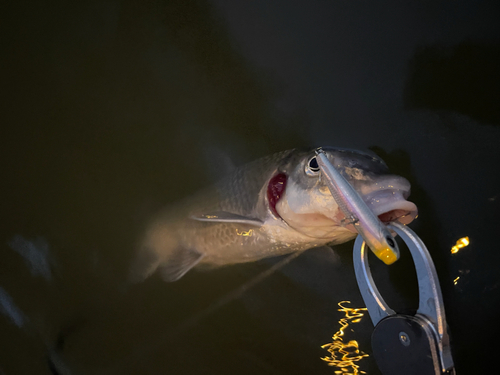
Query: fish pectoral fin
(180, 262)
(227, 217)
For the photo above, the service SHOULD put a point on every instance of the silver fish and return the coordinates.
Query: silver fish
(273, 206)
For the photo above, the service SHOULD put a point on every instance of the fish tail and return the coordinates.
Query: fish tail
(144, 265)
(171, 266)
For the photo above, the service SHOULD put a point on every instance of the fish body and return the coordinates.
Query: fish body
(273, 206)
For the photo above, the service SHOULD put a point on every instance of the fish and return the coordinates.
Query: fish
(376, 235)
(273, 206)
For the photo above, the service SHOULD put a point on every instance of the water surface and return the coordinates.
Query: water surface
(113, 109)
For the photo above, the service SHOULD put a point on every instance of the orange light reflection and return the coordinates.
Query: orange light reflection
(244, 233)
(461, 243)
(344, 355)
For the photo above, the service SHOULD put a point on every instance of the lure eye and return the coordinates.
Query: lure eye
(390, 241)
(312, 168)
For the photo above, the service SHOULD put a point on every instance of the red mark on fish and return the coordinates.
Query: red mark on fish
(275, 190)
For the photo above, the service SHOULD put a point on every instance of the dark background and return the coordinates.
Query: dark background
(111, 109)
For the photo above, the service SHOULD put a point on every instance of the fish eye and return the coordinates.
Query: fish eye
(313, 165)
(312, 168)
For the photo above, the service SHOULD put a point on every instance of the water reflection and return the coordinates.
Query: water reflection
(345, 355)
(35, 254)
(461, 243)
(10, 310)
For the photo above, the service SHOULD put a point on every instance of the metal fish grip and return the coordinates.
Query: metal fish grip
(404, 344)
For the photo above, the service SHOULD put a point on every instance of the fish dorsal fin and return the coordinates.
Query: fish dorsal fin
(180, 262)
(227, 217)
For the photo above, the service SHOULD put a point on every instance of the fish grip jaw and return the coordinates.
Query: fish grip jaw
(431, 307)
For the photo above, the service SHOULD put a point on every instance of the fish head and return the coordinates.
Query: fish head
(307, 205)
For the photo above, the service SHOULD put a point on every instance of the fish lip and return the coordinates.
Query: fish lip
(388, 205)
(403, 215)
(383, 185)
(391, 205)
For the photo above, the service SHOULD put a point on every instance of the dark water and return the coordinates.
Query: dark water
(111, 109)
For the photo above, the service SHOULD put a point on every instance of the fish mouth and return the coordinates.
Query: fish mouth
(403, 216)
(320, 217)
(389, 206)
(392, 206)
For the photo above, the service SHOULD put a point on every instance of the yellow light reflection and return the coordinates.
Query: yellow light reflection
(244, 233)
(461, 243)
(456, 280)
(344, 355)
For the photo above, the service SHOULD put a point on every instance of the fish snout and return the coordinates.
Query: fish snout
(387, 198)
(387, 182)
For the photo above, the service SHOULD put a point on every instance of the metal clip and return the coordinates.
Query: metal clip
(431, 304)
